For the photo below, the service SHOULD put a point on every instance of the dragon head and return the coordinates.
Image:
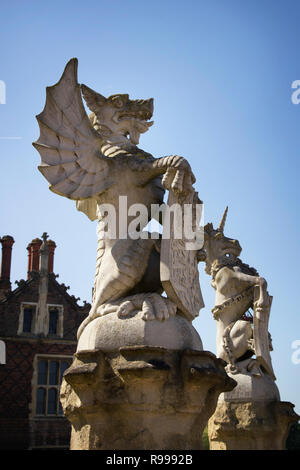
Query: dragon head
(217, 246)
(117, 117)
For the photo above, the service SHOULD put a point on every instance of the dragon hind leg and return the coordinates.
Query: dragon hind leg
(122, 268)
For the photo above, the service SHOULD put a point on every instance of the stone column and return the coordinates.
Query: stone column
(142, 395)
(42, 321)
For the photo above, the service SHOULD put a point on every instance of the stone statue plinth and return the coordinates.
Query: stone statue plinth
(251, 417)
(141, 396)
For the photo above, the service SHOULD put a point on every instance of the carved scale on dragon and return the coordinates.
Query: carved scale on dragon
(238, 287)
(94, 160)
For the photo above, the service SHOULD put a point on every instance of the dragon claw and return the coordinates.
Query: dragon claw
(125, 309)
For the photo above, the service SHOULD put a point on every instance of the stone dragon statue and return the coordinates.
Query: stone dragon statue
(238, 288)
(94, 160)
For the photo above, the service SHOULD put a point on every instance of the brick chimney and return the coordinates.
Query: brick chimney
(51, 249)
(7, 242)
(33, 256)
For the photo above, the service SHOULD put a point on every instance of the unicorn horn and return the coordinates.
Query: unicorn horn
(223, 220)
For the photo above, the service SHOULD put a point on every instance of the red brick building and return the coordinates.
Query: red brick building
(38, 325)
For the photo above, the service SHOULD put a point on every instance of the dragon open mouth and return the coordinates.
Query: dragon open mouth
(140, 120)
(141, 115)
(133, 123)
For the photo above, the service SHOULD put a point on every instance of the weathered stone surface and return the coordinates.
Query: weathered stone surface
(250, 387)
(178, 261)
(94, 160)
(251, 425)
(142, 398)
(238, 288)
(251, 415)
(110, 332)
(140, 379)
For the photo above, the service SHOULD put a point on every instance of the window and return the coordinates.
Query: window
(41, 401)
(48, 380)
(55, 320)
(27, 319)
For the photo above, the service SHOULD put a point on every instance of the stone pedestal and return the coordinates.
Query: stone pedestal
(251, 417)
(251, 426)
(144, 396)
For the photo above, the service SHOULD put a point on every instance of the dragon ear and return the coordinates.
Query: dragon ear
(93, 99)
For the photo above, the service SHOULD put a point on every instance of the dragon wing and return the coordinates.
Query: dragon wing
(69, 147)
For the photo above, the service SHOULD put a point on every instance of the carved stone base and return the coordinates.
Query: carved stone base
(251, 425)
(109, 333)
(142, 397)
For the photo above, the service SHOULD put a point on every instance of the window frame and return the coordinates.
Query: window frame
(25, 305)
(35, 385)
(60, 321)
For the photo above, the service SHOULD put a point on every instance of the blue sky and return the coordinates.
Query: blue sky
(220, 73)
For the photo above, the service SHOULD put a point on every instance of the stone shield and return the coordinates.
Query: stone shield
(179, 264)
(261, 335)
